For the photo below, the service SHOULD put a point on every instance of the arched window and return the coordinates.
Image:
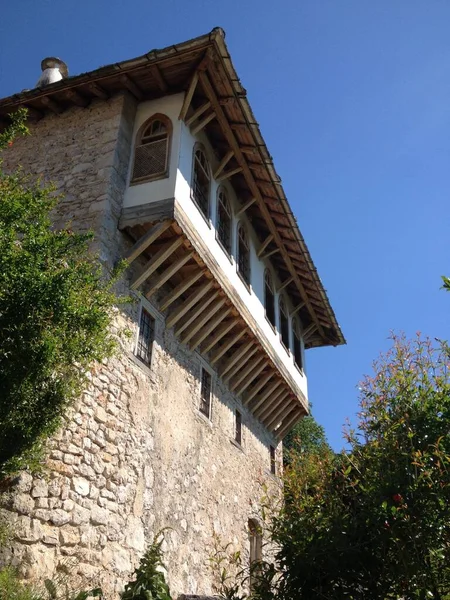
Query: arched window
(269, 297)
(200, 180)
(284, 323)
(151, 153)
(297, 344)
(224, 220)
(243, 254)
(256, 543)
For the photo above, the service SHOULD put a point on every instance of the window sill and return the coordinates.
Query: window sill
(285, 347)
(272, 326)
(203, 418)
(237, 445)
(227, 254)
(149, 179)
(299, 369)
(207, 219)
(144, 368)
(246, 284)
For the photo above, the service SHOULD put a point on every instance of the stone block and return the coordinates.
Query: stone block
(81, 486)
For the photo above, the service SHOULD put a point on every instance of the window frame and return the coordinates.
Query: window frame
(137, 142)
(283, 310)
(296, 335)
(238, 427)
(271, 287)
(242, 226)
(200, 148)
(273, 460)
(208, 416)
(146, 363)
(221, 190)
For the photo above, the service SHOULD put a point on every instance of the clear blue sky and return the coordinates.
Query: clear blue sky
(353, 99)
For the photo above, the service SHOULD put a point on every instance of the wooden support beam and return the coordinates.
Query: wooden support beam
(198, 113)
(240, 363)
(188, 97)
(245, 206)
(237, 356)
(249, 150)
(267, 254)
(233, 385)
(270, 390)
(169, 272)
(219, 334)
(297, 308)
(229, 174)
(273, 404)
(223, 163)
(76, 98)
(291, 420)
(258, 387)
(209, 328)
(204, 317)
(266, 242)
(181, 310)
(158, 76)
(226, 346)
(144, 241)
(255, 191)
(180, 289)
(98, 91)
(203, 123)
(277, 418)
(309, 330)
(251, 377)
(132, 87)
(52, 105)
(285, 284)
(196, 311)
(157, 260)
(34, 113)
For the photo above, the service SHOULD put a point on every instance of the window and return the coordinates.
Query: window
(145, 337)
(224, 220)
(151, 154)
(243, 254)
(256, 540)
(273, 464)
(284, 323)
(269, 297)
(297, 344)
(238, 427)
(205, 393)
(200, 181)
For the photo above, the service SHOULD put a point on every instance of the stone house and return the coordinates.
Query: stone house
(162, 157)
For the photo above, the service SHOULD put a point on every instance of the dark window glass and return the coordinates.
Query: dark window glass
(238, 427)
(243, 262)
(269, 298)
(256, 543)
(145, 338)
(273, 464)
(205, 393)
(284, 324)
(224, 221)
(200, 182)
(297, 345)
(151, 152)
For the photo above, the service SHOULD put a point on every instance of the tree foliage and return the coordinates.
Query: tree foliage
(306, 437)
(55, 313)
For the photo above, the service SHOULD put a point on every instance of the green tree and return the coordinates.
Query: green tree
(306, 437)
(374, 522)
(56, 309)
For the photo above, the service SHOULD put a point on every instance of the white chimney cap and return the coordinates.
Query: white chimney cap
(53, 69)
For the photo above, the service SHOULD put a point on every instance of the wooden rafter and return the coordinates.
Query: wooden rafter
(209, 328)
(76, 98)
(169, 272)
(219, 334)
(144, 242)
(278, 416)
(266, 410)
(237, 356)
(297, 308)
(309, 330)
(240, 363)
(271, 253)
(234, 145)
(228, 174)
(198, 113)
(188, 97)
(163, 254)
(258, 387)
(223, 163)
(250, 378)
(270, 390)
(290, 422)
(52, 105)
(226, 346)
(34, 113)
(245, 206)
(285, 284)
(264, 245)
(158, 76)
(181, 310)
(202, 318)
(203, 123)
(246, 372)
(132, 87)
(196, 311)
(180, 289)
(98, 91)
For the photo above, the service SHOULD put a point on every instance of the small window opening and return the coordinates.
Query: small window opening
(224, 220)
(284, 323)
(297, 345)
(243, 262)
(273, 464)
(256, 544)
(238, 427)
(145, 337)
(151, 153)
(201, 181)
(269, 298)
(205, 393)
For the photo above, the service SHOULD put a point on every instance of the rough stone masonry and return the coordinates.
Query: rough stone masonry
(134, 455)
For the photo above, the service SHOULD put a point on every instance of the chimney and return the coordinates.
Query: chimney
(53, 69)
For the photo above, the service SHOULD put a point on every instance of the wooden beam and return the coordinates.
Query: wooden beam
(234, 145)
(237, 356)
(181, 310)
(158, 76)
(76, 98)
(180, 289)
(144, 241)
(240, 364)
(291, 420)
(132, 87)
(203, 123)
(229, 174)
(209, 328)
(226, 346)
(156, 260)
(273, 404)
(98, 91)
(267, 254)
(188, 97)
(278, 417)
(205, 316)
(219, 334)
(310, 329)
(258, 387)
(250, 150)
(196, 311)
(34, 113)
(198, 113)
(297, 308)
(285, 284)
(245, 206)
(233, 385)
(266, 242)
(275, 385)
(52, 105)
(168, 273)
(223, 163)
(251, 377)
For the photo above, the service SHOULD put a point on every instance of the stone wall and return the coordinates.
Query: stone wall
(135, 454)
